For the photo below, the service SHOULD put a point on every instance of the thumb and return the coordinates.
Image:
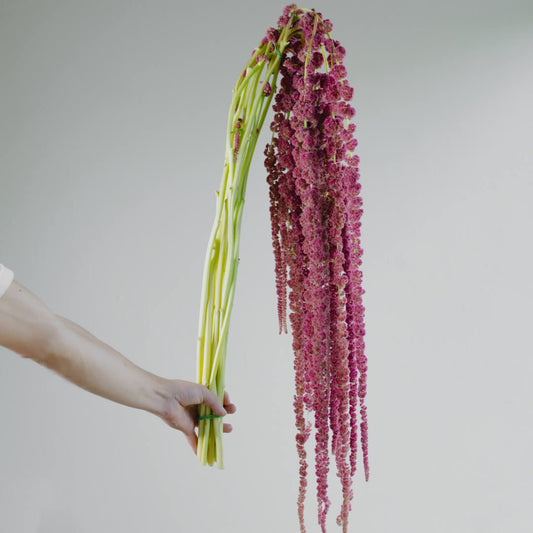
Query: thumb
(210, 399)
(192, 439)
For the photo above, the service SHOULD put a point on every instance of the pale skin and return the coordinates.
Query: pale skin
(29, 328)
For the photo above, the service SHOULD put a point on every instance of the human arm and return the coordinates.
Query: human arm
(31, 329)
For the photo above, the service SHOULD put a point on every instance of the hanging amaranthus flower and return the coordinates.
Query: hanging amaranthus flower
(315, 212)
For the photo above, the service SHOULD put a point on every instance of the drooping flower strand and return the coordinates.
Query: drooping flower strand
(315, 212)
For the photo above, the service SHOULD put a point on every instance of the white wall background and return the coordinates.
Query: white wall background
(112, 118)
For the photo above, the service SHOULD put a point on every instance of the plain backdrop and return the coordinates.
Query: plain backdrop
(112, 132)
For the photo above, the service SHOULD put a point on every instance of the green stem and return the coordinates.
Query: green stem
(249, 107)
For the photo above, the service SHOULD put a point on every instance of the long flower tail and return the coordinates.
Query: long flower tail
(315, 212)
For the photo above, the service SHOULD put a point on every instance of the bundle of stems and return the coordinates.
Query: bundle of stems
(251, 100)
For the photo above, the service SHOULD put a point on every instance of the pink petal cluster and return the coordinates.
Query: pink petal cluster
(315, 211)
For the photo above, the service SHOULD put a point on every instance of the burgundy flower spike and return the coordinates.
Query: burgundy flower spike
(315, 211)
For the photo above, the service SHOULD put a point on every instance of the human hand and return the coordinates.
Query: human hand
(180, 407)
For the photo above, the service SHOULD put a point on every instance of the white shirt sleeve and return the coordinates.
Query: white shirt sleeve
(6, 277)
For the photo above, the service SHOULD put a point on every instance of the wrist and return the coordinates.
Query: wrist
(157, 395)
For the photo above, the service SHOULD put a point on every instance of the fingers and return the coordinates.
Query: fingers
(211, 400)
(184, 415)
(230, 407)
